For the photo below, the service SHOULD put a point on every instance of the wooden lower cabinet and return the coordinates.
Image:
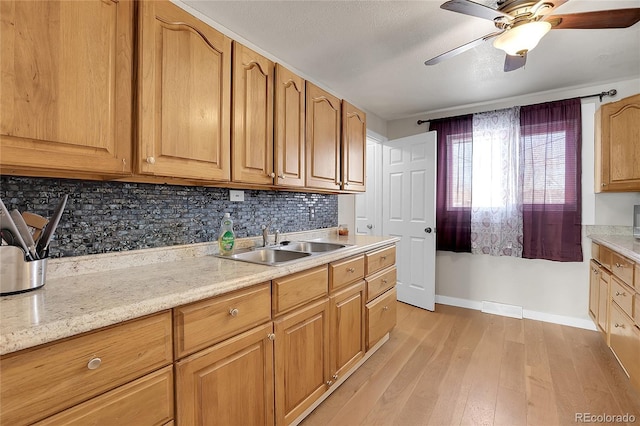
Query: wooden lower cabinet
(347, 329)
(230, 383)
(381, 316)
(301, 359)
(146, 401)
(613, 282)
(39, 382)
(625, 343)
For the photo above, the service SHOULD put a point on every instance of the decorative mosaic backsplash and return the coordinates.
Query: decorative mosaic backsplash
(115, 216)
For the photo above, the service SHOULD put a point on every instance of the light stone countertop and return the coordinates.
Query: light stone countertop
(73, 301)
(626, 245)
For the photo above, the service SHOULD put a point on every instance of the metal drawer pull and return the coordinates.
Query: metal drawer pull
(618, 265)
(234, 312)
(329, 382)
(352, 270)
(620, 294)
(271, 336)
(94, 363)
(334, 377)
(616, 325)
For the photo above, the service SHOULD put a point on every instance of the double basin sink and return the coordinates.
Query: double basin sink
(285, 252)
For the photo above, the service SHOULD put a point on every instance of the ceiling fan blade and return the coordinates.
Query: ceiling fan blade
(617, 18)
(460, 49)
(474, 9)
(513, 62)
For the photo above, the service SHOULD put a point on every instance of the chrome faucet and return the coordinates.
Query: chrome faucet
(265, 233)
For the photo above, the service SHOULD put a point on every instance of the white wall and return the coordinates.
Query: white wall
(552, 291)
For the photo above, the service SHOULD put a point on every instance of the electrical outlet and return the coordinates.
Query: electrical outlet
(312, 213)
(235, 195)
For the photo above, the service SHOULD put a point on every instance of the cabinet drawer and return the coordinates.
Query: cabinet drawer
(37, 383)
(146, 401)
(381, 316)
(604, 257)
(210, 321)
(380, 282)
(297, 289)
(625, 343)
(379, 259)
(622, 268)
(623, 296)
(344, 272)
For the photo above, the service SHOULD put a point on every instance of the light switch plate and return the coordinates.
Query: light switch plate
(235, 195)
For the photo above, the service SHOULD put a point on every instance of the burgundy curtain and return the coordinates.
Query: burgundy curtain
(551, 145)
(453, 183)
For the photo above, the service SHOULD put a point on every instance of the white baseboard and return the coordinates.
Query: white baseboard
(586, 324)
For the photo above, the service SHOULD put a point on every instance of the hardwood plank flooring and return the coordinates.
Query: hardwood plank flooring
(458, 366)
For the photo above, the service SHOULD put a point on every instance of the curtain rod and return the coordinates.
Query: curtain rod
(601, 95)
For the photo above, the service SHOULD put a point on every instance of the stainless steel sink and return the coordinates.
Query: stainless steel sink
(268, 256)
(311, 246)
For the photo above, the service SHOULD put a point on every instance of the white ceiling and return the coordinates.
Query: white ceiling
(372, 52)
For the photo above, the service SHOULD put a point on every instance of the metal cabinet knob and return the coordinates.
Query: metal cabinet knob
(271, 336)
(94, 363)
(385, 308)
(234, 312)
(618, 265)
(334, 377)
(616, 325)
(151, 160)
(329, 382)
(282, 176)
(620, 294)
(272, 175)
(352, 270)
(384, 281)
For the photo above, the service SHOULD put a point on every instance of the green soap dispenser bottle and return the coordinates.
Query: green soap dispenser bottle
(226, 238)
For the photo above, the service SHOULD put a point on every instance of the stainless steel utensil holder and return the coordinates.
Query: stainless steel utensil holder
(17, 275)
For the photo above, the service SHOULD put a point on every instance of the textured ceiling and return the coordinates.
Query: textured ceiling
(372, 52)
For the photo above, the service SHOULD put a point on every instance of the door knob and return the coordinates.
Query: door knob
(370, 226)
(427, 230)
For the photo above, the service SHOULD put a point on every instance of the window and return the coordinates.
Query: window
(546, 170)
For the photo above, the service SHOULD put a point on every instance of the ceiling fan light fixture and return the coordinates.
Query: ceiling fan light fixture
(522, 38)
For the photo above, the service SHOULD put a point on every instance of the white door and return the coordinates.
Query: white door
(409, 199)
(368, 204)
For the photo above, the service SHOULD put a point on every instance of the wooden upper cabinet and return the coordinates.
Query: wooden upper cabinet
(252, 137)
(617, 140)
(184, 85)
(354, 148)
(66, 87)
(289, 121)
(323, 139)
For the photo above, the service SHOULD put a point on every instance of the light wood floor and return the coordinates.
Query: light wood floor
(459, 366)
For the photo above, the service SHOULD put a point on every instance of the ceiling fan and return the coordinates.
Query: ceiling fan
(522, 23)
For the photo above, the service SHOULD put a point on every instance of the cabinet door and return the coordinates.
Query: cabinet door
(381, 316)
(594, 290)
(252, 138)
(230, 383)
(289, 128)
(323, 139)
(354, 148)
(184, 95)
(617, 147)
(347, 331)
(603, 303)
(65, 92)
(301, 359)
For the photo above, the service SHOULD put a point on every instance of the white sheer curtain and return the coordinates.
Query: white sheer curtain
(496, 205)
